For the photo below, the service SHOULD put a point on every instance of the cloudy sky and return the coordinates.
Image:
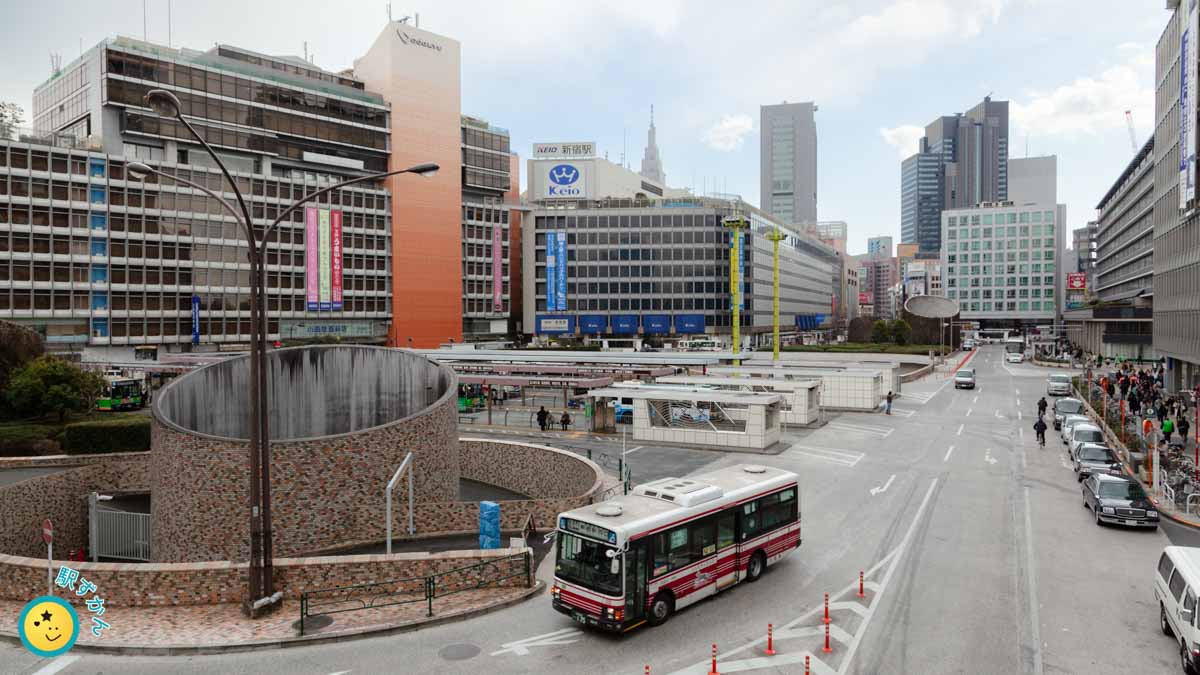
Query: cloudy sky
(551, 71)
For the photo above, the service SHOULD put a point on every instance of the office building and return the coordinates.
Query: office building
(419, 73)
(1083, 244)
(1176, 219)
(961, 161)
(97, 261)
(877, 276)
(1121, 276)
(602, 257)
(490, 231)
(788, 161)
(652, 166)
(1001, 259)
(832, 233)
(879, 246)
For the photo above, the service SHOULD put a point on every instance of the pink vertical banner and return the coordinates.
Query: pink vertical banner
(497, 271)
(336, 261)
(311, 250)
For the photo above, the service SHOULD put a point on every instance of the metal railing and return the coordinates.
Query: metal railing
(413, 590)
(123, 535)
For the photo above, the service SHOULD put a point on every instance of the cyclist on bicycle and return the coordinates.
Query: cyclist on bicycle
(1040, 427)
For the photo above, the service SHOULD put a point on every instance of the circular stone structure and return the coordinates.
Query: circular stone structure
(342, 419)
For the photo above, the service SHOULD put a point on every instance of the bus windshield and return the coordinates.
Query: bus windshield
(1014, 346)
(125, 389)
(585, 562)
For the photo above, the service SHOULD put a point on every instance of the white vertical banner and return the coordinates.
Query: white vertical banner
(1187, 107)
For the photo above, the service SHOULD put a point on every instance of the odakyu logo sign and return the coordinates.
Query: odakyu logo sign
(564, 181)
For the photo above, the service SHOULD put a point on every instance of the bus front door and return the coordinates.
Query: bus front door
(636, 581)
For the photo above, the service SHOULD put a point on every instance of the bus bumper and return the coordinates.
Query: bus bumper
(583, 618)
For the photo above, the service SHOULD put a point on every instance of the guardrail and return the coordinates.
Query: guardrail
(412, 590)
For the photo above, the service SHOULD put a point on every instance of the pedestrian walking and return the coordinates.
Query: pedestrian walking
(565, 420)
(1042, 407)
(1168, 427)
(888, 410)
(542, 418)
(1183, 426)
(1162, 412)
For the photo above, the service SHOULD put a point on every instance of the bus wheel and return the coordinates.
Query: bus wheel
(758, 563)
(661, 609)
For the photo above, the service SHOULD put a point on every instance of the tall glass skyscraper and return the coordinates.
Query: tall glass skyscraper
(788, 162)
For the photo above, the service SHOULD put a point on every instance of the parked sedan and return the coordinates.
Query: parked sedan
(1064, 407)
(1094, 458)
(1058, 385)
(1118, 500)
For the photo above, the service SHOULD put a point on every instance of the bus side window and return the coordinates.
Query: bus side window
(725, 530)
(749, 520)
(704, 538)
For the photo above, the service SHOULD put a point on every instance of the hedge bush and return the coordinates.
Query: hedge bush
(125, 434)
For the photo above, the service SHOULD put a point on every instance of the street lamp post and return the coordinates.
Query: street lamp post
(261, 581)
(775, 236)
(736, 225)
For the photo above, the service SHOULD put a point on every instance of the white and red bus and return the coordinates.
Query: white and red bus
(640, 557)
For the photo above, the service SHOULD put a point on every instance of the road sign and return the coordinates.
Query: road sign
(47, 531)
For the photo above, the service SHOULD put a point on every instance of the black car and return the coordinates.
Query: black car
(1094, 458)
(1118, 500)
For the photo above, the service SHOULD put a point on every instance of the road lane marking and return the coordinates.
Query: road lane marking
(1035, 624)
(975, 400)
(58, 664)
(947, 457)
(987, 457)
(1021, 432)
(521, 647)
(843, 457)
(1019, 415)
(997, 413)
(882, 432)
(960, 428)
(968, 412)
(633, 450)
(876, 490)
(790, 629)
(1018, 401)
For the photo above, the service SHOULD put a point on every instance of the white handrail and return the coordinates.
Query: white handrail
(407, 463)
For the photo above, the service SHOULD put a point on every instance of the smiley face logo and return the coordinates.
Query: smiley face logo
(48, 626)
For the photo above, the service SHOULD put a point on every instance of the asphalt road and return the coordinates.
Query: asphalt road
(978, 557)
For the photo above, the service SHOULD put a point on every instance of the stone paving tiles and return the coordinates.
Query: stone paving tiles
(214, 625)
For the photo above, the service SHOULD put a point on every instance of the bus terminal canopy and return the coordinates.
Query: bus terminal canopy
(764, 382)
(676, 393)
(559, 369)
(534, 381)
(578, 358)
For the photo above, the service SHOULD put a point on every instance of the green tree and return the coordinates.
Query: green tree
(900, 331)
(50, 384)
(880, 332)
(11, 117)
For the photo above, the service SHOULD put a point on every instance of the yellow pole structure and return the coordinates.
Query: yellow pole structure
(776, 236)
(736, 224)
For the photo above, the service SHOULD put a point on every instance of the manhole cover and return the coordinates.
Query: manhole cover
(459, 652)
(314, 623)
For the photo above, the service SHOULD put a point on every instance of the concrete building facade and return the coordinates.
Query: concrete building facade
(788, 162)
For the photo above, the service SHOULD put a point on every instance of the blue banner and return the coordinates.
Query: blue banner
(624, 323)
(656, 324)
(195, 319)
(489, 525)
(736, 238)
(689, 323)
(591, 324)
(555, 324)
(561, 261)
(551, 270)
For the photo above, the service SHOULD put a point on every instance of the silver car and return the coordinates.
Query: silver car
(1064, 407)
(1058, 385)
(965, 379)
(1070, 421)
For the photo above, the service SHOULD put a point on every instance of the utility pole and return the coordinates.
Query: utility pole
(736, 224)
(775, 236)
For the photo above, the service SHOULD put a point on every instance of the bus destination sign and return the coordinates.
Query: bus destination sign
(587, 530)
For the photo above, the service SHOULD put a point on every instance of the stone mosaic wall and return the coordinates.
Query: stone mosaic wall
(62, 497)
(324, 490)
(22, 578)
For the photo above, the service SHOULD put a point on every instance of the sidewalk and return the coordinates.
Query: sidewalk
(205, 629)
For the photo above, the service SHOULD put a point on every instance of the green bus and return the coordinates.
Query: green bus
(121, 393)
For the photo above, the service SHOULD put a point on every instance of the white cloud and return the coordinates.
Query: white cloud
(1130, 46)
(904, 138)
(1091, 105)
(730, 133)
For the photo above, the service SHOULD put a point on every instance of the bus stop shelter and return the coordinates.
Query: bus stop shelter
(700, 416)
(841, 388)
(801, 398)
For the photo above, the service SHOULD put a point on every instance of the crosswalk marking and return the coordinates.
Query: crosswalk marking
(843, 457)
(882, 432)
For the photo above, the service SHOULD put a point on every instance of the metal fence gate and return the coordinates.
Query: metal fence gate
(123, 535)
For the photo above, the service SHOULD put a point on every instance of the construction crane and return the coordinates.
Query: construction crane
(1132, 135)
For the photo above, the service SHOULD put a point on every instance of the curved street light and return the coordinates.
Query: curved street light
(262, 582)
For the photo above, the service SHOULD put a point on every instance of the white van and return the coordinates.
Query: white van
(1175, 585)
